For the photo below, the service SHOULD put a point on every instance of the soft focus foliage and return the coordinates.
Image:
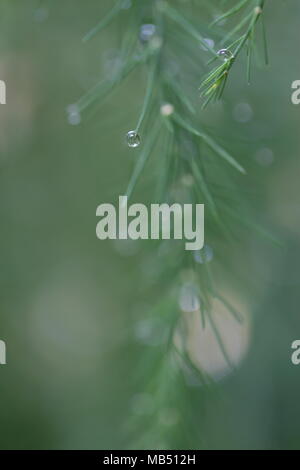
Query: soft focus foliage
(86, 322)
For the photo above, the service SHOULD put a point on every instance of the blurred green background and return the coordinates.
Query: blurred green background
(68, 300)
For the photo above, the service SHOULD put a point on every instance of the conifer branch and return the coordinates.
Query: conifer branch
(190, 156)
(213, 85)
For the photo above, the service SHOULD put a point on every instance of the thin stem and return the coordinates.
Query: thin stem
(148, 95)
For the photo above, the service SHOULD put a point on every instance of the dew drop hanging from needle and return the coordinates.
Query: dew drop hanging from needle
(225, 54)
(147, 32)
(133, 139)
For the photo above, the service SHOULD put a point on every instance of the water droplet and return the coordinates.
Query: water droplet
(133, 139)
(147, 31)
(188, 299)
(205, 255)
(225, 54)
(74, 117)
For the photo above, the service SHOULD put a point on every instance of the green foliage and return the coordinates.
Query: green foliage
(242, 34)
(191, 159)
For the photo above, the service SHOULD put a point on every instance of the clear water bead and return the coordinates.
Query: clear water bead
(225, 54)
(147, 31)
(133, 139)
